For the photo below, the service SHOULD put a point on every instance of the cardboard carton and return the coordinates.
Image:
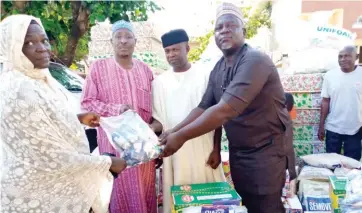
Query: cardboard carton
(292, 205)
(220, 193)
(337, 191)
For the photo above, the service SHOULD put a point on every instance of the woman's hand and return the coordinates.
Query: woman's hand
(89, 119)
(118, 165)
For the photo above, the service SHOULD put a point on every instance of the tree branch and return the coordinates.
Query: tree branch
(20, 5)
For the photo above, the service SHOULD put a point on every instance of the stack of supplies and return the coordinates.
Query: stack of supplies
(352, 203)
(337, 191)
(314, 196)
(215, 194)
(322, 190)
(306, 89)
(292, 205)
(290, 187)
(226, 167)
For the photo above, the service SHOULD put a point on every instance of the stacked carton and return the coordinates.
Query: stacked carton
(337, 191)
(306, 89)
(220, 193)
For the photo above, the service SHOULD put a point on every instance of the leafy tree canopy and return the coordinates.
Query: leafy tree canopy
(68, 23)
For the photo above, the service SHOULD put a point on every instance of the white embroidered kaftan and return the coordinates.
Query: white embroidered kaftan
(175, 95)
(46, 165)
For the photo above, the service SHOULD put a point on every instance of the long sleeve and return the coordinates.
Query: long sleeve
(46, 151)
(157, 102)
(90, 100)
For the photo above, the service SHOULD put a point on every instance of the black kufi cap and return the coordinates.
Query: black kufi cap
(174, 37)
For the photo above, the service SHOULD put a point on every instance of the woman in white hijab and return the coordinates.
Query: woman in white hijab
(45, 155)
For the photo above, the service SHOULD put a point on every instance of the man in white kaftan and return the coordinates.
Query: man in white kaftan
(175, 93)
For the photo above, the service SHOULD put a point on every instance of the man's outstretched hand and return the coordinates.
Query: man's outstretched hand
(173, 142)
(163, 137)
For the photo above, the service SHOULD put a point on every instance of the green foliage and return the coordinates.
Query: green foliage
(195, 53)
(58, 18)
(259, 18)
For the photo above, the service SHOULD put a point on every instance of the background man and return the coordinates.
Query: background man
(341, 110)
(175, 94)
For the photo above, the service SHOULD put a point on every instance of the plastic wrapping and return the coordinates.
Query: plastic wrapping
(314, 173)
(131, 137)
(331, 161)
(352, 203)
(290, 187)
(314, 196)
(218, 209)
(316, 48)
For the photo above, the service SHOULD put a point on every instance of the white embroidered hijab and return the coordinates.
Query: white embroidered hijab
(46, 165)
(13, 32)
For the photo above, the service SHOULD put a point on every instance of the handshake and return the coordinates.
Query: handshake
(136, 140)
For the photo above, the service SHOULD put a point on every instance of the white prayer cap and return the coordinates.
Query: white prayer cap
(229, 8)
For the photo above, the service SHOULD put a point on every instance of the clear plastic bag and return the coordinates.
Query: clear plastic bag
(352, 203)
(131, 137)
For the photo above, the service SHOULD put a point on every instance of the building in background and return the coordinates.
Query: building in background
(351, 18)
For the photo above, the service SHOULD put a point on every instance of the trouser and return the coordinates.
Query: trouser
(270, 203)
(351, 144)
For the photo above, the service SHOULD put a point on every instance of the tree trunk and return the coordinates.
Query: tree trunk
(2, 9)
(20, 5)
(79, 28)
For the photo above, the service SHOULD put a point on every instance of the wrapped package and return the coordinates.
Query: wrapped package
(215, 194)
(314, 196)
(337, 191)
(317, 47)
(305, 132)
(319, 60)
(307, 100)
(226, 167)
(314, 173)
(286, 185)
(131, 137)
(290, 188)
(331, 161)
(292, 205)
(307, 116)
(352, 202)
(341, 171)
(218, 209)
(319, 147)
(306, 147)
(302, 83)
